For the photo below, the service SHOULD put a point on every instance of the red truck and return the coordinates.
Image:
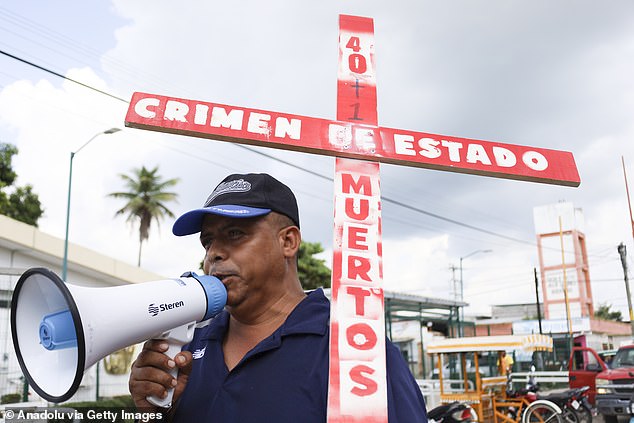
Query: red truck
(611, 387)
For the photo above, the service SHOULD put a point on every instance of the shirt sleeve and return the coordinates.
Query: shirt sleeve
(405, 402)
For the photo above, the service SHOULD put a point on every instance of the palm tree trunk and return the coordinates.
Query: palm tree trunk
(139, 259)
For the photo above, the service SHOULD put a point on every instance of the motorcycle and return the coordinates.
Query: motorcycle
(528, 392)
(455, 412)
(574, 404)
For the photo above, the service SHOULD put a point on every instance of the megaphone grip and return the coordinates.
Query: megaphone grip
(175, 338)
(166, 402)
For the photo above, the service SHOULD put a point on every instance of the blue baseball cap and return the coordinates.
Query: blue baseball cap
(241, 196)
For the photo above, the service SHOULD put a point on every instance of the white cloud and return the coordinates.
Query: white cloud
(533, 73)
(418, 265)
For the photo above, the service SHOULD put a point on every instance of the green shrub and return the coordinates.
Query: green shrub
(10, 398)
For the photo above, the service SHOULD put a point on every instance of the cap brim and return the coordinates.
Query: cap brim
(191, 222)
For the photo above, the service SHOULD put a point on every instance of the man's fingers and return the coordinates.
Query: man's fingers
(150, 373)
(143, 389)
(153, 355)
(183, 361)
(153, 375)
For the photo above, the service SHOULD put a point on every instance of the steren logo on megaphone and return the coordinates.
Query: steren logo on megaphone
(154, 309)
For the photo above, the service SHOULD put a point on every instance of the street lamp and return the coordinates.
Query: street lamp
(462, 282)
(70, 180)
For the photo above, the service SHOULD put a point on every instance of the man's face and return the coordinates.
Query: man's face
(247, 256)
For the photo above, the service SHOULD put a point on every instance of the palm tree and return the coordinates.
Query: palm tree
(146, 198)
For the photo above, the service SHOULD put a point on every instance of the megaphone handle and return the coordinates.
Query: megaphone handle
(175, 338)
(167, 401)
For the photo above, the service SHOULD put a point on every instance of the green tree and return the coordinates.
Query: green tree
(146, 198)
(312, 271)
(7, 175)
(604, 313)
(19, 203)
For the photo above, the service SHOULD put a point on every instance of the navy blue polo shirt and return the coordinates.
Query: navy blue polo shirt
(284, 379)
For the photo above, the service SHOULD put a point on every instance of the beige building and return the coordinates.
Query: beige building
(22, 247)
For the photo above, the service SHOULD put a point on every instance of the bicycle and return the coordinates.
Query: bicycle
(542, 411)
(524, 405)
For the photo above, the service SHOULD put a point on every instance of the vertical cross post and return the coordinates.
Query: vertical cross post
(357, 387)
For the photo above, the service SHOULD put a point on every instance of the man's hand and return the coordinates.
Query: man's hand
(150, 375)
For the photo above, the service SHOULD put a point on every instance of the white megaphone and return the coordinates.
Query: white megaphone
(60, 330)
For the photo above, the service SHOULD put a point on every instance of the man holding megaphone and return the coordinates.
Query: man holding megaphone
(265, 358)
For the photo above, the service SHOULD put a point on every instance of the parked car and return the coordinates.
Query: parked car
(611, 388)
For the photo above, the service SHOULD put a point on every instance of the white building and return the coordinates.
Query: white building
(22, 247)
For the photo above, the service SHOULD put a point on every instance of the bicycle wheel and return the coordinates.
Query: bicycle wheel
(541, 412)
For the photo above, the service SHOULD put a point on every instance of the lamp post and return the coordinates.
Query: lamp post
(70, 180)
(461, 318)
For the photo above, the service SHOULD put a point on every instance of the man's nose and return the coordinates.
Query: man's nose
(216, 253)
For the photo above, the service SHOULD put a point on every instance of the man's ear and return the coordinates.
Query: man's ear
(290, 238)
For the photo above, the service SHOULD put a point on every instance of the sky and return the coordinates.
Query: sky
(544, 74)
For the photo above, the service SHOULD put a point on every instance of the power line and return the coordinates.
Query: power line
(62, 76)
(386, 199)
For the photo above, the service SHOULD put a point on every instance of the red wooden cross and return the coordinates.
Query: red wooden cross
(357, 388)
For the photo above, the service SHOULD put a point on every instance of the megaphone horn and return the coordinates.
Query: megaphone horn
(59, 330)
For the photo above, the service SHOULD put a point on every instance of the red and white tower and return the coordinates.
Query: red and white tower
(563, 261)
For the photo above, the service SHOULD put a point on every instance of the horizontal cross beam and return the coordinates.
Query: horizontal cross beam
(350, 140)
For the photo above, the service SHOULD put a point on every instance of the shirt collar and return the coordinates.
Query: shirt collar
(310, 316)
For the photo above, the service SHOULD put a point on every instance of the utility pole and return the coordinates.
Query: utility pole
(565, 282)
(538, 358)
(456, 293)
(623, 253)
(539, 313)
(455, 289)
